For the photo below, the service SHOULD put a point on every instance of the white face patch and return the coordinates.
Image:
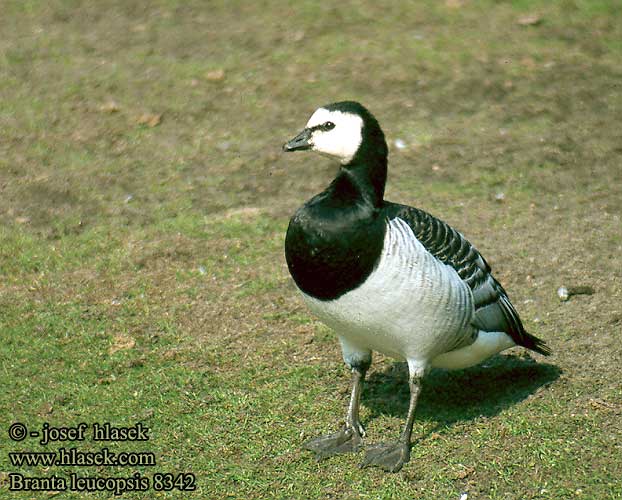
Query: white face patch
(343, 140)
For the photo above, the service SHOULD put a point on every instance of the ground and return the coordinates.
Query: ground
(144, 199)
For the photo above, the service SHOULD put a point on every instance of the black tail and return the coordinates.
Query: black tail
(516, 329)
(535, 344)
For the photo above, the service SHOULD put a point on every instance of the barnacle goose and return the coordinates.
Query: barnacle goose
(389, 277)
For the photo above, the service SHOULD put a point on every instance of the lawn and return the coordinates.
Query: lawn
(144, 200)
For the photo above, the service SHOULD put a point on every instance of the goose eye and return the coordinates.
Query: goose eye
(329, 126)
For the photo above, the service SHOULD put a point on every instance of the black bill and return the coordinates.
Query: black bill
(300, 142)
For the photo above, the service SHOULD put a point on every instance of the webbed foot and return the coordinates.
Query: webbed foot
(388, 456)
(347, 440)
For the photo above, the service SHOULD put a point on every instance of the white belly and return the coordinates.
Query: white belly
(411, 307)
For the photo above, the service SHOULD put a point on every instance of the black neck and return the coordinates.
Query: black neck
(366, 174)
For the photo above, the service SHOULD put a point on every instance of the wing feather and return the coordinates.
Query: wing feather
(493, 309)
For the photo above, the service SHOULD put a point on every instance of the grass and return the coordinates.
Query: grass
(141, 269)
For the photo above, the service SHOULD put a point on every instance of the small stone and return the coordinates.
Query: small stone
(109, 107)
(529, 20)
(216, 75)
(500, 197)
(298, 36)
(562, 293)
(150, 119)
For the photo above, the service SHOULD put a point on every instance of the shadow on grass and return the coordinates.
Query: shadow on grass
(454, 396)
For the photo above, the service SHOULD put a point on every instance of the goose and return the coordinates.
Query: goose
(389, 278)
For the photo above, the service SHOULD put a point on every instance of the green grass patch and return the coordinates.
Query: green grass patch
(142, 276)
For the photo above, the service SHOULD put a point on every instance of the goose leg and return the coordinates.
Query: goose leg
(392, 456)
(350, 437)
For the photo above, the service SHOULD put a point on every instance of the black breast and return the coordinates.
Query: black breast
(331, 248)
